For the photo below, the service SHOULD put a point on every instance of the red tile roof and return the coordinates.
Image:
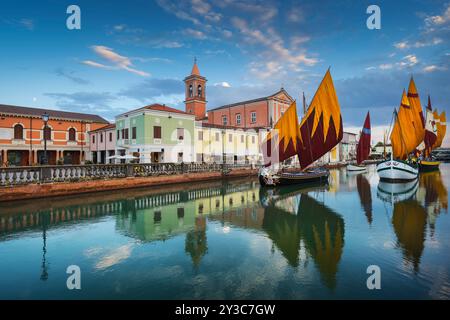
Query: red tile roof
(159, 107)
(107, 127)
(37, 112)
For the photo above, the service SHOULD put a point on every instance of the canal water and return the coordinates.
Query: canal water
(233, 240)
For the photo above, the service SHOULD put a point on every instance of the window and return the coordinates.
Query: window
(217, 203)
(47, 133)
(101, 137)
(93, 138)
(72, 134)
(18, 132)
(217, 136)
(230, 137)
(200, 208)
(253, 116)
(190, 91)
(110, 137)
(133, 133)
(180, 212)
(118, 134)
(199, 90)
(224, 120)
(242, 138)
(180, 133)
(238, 119)
(157, 132)
(126, 133)
(200, 136)
(157, 216)
(253, 139)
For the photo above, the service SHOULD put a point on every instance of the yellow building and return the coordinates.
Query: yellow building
(216, 143)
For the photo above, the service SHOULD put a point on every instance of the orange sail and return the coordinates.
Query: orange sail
(284, 138)
(441, 128)
(403, 137)
(417, 113)
(321, 127)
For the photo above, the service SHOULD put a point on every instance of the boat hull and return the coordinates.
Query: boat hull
(426, 166)
(355, 168)
(397, 171)
(267, 178)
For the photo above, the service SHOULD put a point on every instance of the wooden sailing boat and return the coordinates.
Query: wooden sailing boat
(319, 131)
(433, 133)
(405, 137)
(363, 147)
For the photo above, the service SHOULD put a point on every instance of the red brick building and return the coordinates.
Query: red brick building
(22, 134)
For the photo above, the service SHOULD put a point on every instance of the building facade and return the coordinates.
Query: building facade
(156, 133)
(257, 113)
(22, 135)
(347, 146)
(217, 143)
(102, 144)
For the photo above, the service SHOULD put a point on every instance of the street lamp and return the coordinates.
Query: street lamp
(45, 119)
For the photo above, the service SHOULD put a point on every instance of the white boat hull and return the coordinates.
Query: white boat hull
(397, 171)
(352, 167)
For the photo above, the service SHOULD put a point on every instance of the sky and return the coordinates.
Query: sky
(132, 53)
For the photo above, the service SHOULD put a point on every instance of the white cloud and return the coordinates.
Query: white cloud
(197, 34)
(385, 66)
(439, 19)
(433, 68)
(223, 84)
(418, 44)
(118, 61)
(401, 45)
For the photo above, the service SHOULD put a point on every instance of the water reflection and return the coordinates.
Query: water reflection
(414, 205)
(312, 224)
(231, 230)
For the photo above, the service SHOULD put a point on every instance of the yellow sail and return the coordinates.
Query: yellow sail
(403, 137)
(441, 128)
(417, 113)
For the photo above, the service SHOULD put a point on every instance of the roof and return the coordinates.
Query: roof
(253, 100)
(107, 127)
(195, 71)
(159, 107)
(37, 112)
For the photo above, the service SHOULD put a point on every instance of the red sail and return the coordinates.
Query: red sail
(430, 129)
(363, 148)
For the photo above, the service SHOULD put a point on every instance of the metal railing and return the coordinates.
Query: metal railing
(11, 176)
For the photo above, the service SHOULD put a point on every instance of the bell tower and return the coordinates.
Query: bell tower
(195, 93)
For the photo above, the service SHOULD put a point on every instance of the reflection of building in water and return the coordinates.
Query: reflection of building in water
(196, 243)
(163, 216)
(365, 195)
(409, 221)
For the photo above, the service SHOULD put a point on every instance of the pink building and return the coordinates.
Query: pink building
(103, 144)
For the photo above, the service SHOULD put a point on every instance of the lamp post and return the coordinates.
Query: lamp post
(45, 119)
(223, 146)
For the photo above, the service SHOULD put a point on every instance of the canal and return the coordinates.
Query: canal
(233, 240)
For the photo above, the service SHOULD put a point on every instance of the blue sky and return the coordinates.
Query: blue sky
(136, 52)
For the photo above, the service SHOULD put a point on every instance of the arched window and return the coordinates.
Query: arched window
(72, 134)
(190, 91)
(47, 133)
(18, 132)
(199, 90)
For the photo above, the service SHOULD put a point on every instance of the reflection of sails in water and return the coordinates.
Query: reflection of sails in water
(365, 196)
(319, 228)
